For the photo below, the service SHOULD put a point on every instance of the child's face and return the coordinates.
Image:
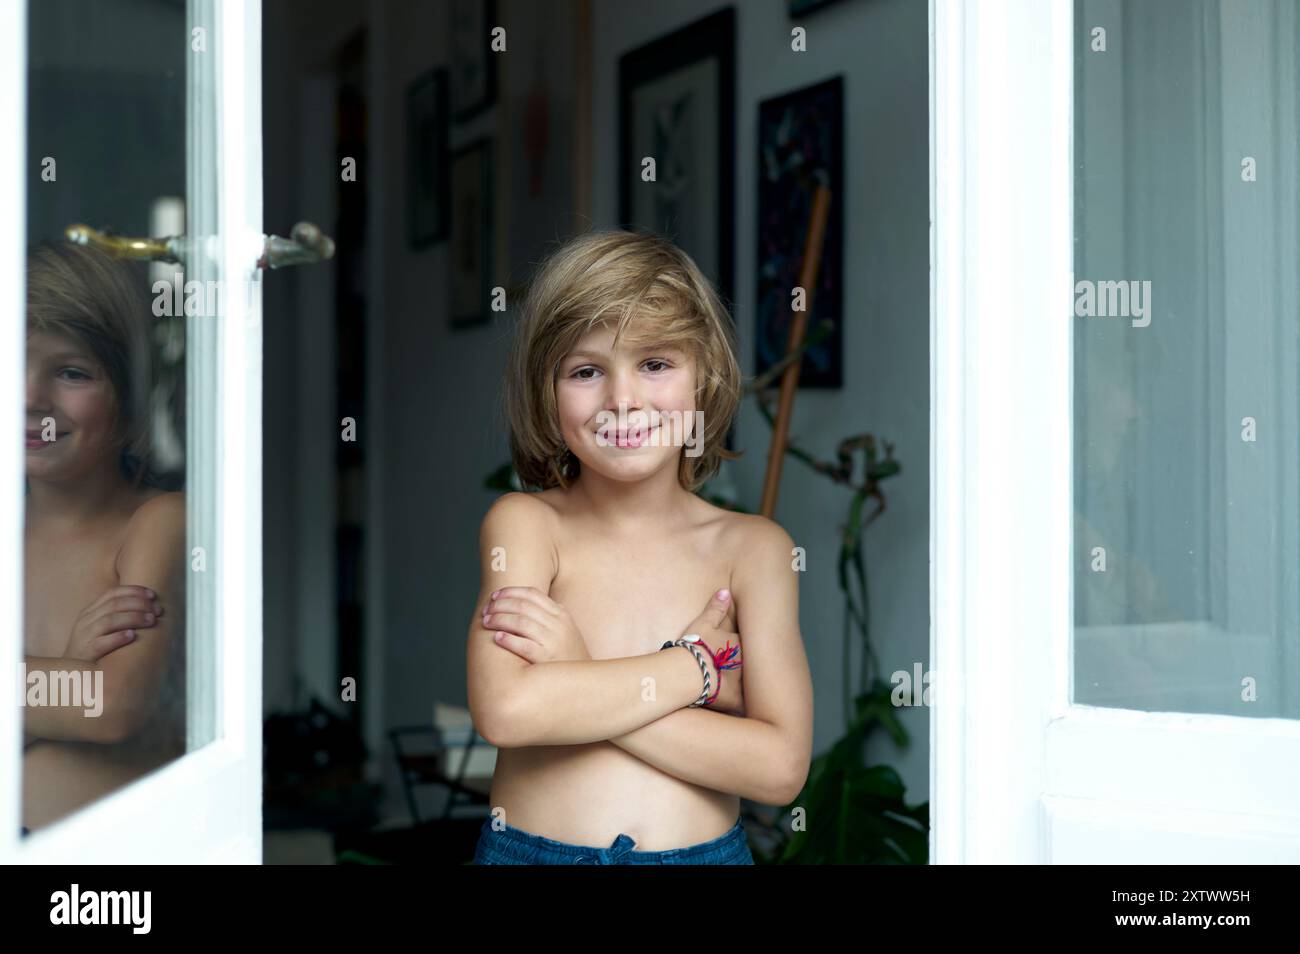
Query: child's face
(66, 384)
(653, 385)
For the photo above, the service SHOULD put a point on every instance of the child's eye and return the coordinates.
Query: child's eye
(74, 374)
(665, 364)
(579, 374)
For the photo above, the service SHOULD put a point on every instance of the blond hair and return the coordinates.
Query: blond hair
(589, 281)
(88, 295)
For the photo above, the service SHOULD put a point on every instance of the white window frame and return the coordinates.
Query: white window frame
(1018, 773)
(206, 806)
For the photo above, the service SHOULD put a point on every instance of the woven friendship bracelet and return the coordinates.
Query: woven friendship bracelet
(689, 642)
(723, 660)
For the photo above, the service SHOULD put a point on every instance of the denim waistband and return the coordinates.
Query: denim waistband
(524, 847)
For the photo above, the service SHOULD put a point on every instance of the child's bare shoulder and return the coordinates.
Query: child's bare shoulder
(532, 517)
(525, 524)
(155, 534)
(533, 509)
(161, 514)
(750, 533)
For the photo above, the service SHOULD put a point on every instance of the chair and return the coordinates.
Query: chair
(420, 769)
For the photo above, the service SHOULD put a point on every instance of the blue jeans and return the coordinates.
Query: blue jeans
(514, 846)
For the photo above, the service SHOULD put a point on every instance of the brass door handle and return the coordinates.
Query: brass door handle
(170, 249)
(306, 245)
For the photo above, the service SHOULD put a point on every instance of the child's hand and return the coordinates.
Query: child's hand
(731, 698)
(110, 622)
(533, 626)
(717, 627)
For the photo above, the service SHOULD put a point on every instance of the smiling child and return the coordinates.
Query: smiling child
(104, 548)
(612, 749)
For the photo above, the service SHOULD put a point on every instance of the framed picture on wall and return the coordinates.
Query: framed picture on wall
(426, 146)
(800, 143)
(473, 238)
(677, 97)
(473, 64)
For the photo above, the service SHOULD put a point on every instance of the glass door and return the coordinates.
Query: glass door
(1116, 438)
(130, 544)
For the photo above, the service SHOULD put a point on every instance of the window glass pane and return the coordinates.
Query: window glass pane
(1187, 463)
(116, 434)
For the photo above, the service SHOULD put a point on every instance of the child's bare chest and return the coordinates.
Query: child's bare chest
(62, 577)
(628, 597)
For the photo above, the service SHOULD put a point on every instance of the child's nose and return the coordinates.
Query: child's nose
(624, 389)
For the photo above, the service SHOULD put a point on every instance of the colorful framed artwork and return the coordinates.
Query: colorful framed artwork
(800, 143)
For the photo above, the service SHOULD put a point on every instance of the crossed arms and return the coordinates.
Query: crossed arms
(763, 755)
(153, 556)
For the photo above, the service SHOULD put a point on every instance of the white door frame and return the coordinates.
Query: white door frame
(13, 196)
(1018, 773)
(206, 806)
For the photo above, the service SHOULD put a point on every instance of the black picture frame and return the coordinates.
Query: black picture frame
(810, 119)
(682, 56)
(473, 231)
(427, 158)
(473, 64)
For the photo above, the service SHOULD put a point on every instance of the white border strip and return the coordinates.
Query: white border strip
(13, 311)
(947, 428)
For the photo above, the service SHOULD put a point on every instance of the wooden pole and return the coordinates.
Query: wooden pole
(812, 257)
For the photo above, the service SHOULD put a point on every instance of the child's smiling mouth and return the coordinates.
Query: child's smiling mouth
(631, 438)
(34, 439)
